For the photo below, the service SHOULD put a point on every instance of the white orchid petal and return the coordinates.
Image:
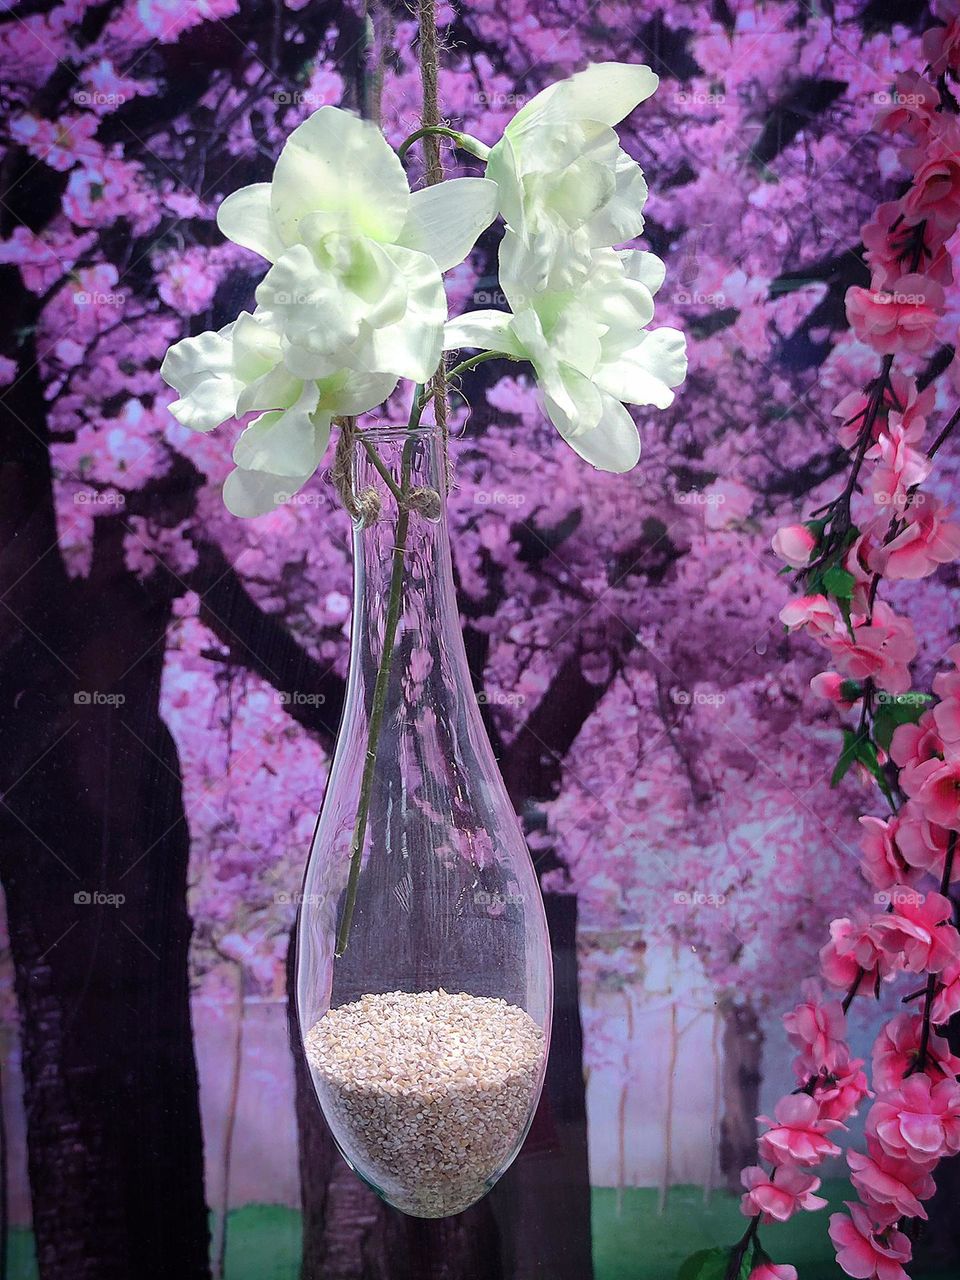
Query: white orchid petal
(646, 373)
(483, 331)
(573, 403)
(276, 389)
(245, 218)
(646, 268)
(201, 369)
(286, 442)
(337, 164)
(411, 347)
(621, 218)
(605, 91)
(254, 493)
(445, 220)
(613, 444)
(352, 392)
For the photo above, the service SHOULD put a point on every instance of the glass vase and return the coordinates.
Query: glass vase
(424, 974)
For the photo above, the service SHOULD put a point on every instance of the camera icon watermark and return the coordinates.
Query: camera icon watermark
(96, 698)
(97, 898)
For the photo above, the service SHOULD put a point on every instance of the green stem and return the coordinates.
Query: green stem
(475, 360)
(463, 140)
(382, 682)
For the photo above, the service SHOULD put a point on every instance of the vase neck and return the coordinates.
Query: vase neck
(399, 481)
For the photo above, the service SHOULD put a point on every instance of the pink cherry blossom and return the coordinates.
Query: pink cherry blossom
(883, 864)
(898, 466)
(868, 1250)
(897, 1046)
(947, 1000)
(840, 1092)
(773, 1271)
(798, 1134)
(913, 745)
(817, 1027)
(794, 543)
(887, 1183)
(916, 931)
(902, 317)
(928, 540)
(829, 685)
(934, 195)
(881, 649)
(778, 1200)
(935, 786)
(918, 1121)
(814, 612)
(914, 101)
(854, 950)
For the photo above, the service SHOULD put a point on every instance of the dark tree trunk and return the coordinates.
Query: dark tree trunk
(741, 1076)
(92, 805)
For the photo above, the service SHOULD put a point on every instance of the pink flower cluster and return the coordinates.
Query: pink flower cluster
(884, 528)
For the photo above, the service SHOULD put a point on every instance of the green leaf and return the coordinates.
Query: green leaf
(895, 710)
(851, 690)
(838, 582)
(848, 756)
(712, 1264)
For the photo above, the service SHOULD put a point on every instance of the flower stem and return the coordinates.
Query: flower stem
(472, 363)
(381, 684)
(465, 141)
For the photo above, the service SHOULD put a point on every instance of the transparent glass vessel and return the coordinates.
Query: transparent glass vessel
(424, 974)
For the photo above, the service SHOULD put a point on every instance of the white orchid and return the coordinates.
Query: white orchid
(353, 298)
(240, 370)
(566, 185)
(355, 281)
(588, 346)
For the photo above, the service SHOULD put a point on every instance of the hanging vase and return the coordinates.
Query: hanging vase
(424, 974)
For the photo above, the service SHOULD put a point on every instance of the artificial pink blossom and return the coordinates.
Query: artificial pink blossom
(936, 790)
(881, 649)
(794, 543)
(840, 1092)
(919, 1120)
(914, 102)
(814, 612)
(798, 1134)
(817, 1027)
(854, 955)
(868, 1250)
(947, 1000)
(913, 745)
(934, 194)
(883, 864)
(887, 1183)
(922, 844)
(927, 541)
(916, 930)
(773, 1271)
(896, 1049)
(941, 47)
(898, 466)
(778, 1201)
(900, 318)
(829, 685)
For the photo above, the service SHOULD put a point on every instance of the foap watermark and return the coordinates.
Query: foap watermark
(98, 898)
(699, 898)
(499, 698)
(698, 298)
(97, 98)
(697, 698)
(699, 498)
(699, 98)
(300, 98)
(98, 298)
(97, 698)
(913, 698)
(484, 899)
(284, 499)
(498, 101)
(893, 98)
(490, 298)
(298, 899)
(91, 498)
(899, 897)
(498, 498)
(297, 698)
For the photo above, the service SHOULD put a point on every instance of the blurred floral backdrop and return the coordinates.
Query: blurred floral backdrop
(172, 678)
